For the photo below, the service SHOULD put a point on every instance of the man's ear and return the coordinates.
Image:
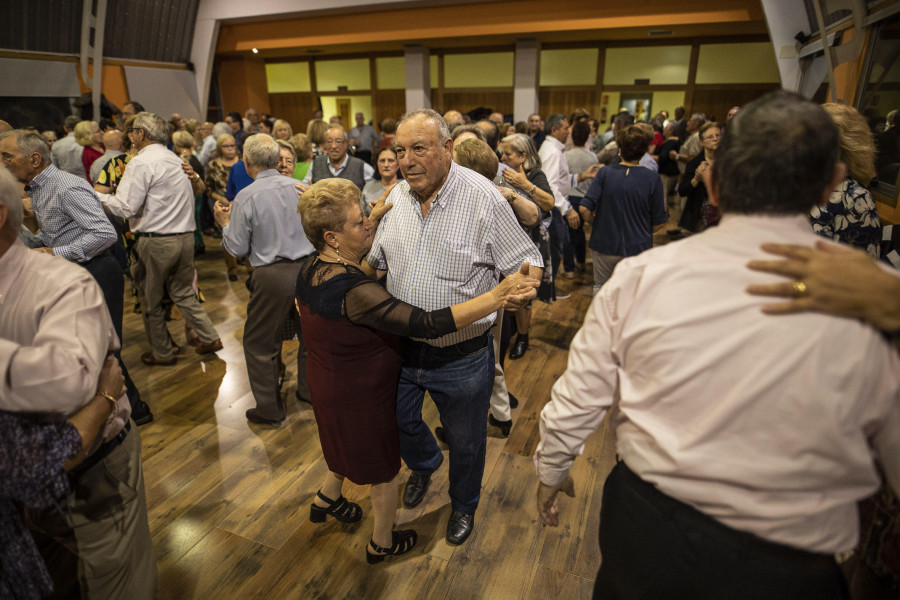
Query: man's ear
(36, 160)
(712, 184)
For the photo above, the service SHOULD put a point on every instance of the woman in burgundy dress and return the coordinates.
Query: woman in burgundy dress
(351, 326)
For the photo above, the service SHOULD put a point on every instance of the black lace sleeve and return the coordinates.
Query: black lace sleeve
(369, 304)
(335, 291)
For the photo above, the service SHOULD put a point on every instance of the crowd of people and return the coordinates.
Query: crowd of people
(406, 259)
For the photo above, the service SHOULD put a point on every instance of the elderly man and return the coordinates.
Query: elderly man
(454, 119)
(252, 116)
(55, 335)
(553, 160)
(744, 454)
(66, 153)
(263, 223)
(207, 144)
(72, 225)
(496, 118)
(447, 237)
(536, 129)
(691, 147)
(158, 199)
(364, 137)
(336, 162)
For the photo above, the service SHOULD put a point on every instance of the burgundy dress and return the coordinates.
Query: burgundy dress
(351, 327)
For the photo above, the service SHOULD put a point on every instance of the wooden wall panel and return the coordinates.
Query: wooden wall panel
(294, 107)
(466, 100)
(717, 101)
(566, 100)
(387, 104)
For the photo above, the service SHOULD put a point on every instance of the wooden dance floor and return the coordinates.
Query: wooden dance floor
(228, 501)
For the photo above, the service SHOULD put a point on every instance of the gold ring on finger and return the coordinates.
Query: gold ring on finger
(800, 289)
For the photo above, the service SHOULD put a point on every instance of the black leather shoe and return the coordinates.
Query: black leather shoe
(459, 527)
(518, 349)
(504, 426)
(142, 415)
(417, 487)
(253, 417)
(513, 401)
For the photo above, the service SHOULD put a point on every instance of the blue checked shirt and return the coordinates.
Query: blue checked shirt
(455, 252)
(70, 216)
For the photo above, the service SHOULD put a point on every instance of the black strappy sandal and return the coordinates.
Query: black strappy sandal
(340, 509)
(402, 541)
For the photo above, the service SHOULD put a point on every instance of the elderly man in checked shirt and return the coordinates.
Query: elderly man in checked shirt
(73, 226)
(446, 240)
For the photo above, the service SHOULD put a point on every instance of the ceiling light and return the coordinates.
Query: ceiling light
(255, 51)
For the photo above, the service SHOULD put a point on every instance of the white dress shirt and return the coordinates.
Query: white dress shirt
(768, 424)
(154, 194)
(55, 333)
(204, 152)
(555, 167)
(455, 253)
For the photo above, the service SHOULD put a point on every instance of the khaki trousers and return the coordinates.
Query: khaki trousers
(272, 290)
(499, 394)
(98, 545)
(166, 264)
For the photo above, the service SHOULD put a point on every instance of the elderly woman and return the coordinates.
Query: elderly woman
(303, 148)
(216, 178)
(88, 134)
(625, 204)
(315, 131)
(386, 168)
(286, 159)
(351, 326)
(850, 215)
(524, 172)
(183, 144)
(281, 130)
(695, 216)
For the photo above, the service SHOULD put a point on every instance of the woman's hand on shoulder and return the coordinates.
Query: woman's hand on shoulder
(379, 208)
(517, 289)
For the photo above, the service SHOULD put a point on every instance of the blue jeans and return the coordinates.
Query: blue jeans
(559, 237)
(460, 385)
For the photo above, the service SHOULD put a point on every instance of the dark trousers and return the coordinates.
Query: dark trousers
(576, 250)
(459, 382)
(654, 546)
(105, 269)
(559, 237)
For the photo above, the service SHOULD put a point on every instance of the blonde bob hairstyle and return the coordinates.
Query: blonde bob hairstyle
(301, 143)
(221, 140)
(316, 131)
(326, 206)
(84, 135)
(182, 139)
(279, 123)
(857, 143)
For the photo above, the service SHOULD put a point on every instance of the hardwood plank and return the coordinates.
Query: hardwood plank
(549, 583)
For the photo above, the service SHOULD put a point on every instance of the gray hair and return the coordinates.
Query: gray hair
(699, 117)
(156, 128)
(339, 128)
(30, 143)
(554, 121)
(9, 197)
(286, 145)
(221, 128)
(523, 144)
(440, 123)
(261, 151)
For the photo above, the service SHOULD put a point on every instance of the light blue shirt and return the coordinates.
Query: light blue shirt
(265, 223)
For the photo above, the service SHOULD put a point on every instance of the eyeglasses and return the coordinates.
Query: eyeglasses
(714, 136)
(334, 142)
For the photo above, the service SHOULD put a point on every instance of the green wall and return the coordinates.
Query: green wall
(489, 69)
(288, 77)
(662, 65)
(569, 67)
(737, 63)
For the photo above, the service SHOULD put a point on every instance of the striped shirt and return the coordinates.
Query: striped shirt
(69, 214)
(455, 252)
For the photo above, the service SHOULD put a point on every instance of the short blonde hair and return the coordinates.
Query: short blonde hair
(84, 135)
(301, 143)
(221, 140)
(857, 142)
(326, 206)
(278, 123)
(182, 139)
(316, 131)
(477, 155)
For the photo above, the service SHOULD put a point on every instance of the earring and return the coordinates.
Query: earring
(338, 252)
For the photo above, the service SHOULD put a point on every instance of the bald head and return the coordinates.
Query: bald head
(113, 140)
(453, 118)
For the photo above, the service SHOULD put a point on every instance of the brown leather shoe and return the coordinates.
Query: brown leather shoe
(213, 346)
(148, 359)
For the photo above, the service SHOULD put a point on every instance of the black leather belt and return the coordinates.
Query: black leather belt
(102, 452)
(423, 355)
(141, 234)
(103, 254)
